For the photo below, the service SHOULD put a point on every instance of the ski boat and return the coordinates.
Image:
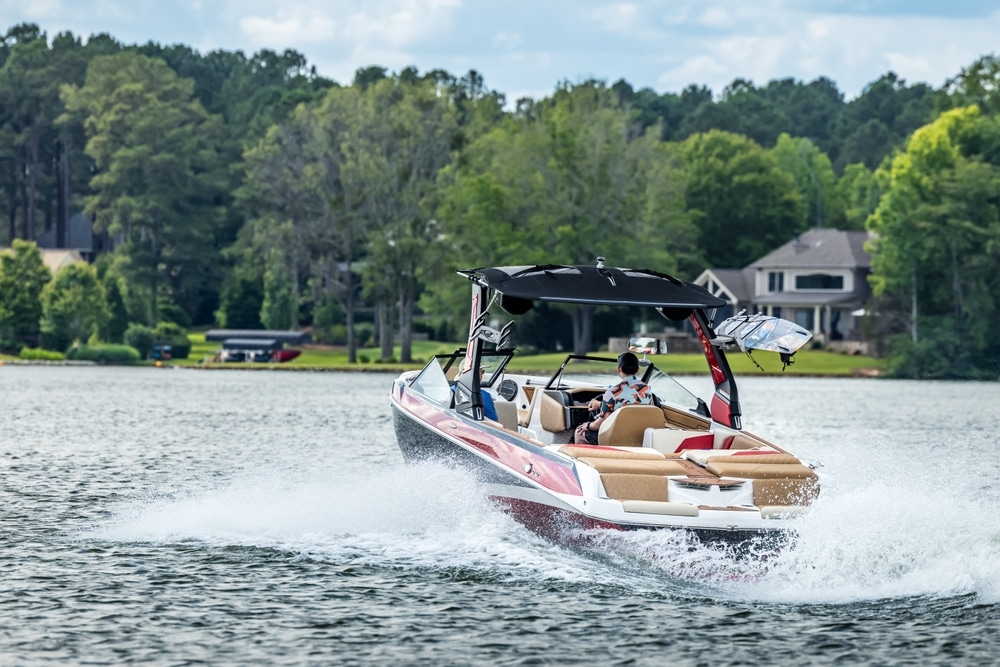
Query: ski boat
(680, 463)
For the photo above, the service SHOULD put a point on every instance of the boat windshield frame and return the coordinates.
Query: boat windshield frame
(665, 387)
(496, 363)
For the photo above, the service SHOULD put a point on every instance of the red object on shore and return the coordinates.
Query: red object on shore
(281, 356)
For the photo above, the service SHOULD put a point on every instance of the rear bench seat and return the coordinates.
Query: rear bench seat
(634, 475)
(778, 479)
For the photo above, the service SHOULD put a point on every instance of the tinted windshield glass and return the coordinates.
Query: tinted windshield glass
(668, 390)
(604, 373)
(432, 382)
(589, 371)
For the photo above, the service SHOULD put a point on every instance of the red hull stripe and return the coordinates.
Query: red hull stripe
(527, 460)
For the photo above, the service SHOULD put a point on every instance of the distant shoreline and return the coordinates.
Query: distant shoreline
(866, 373)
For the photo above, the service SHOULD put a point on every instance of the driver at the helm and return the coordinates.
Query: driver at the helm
(630, 391)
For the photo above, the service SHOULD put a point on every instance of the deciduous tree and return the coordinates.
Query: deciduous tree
(158, 172)
(743, 203)
(74, 306)
(23, 276)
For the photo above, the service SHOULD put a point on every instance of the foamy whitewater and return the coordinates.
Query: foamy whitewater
(178, 516)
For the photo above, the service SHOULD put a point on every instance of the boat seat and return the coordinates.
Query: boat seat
(669, 440)
(703, 456)
(506, 414)
(773, 458)
(625, 486)
(728, 467)
(635, 466)
(553, 411)
(627, 424)
(746, 441)
(597, 452)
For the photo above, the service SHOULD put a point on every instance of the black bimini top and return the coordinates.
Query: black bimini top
(596, 285)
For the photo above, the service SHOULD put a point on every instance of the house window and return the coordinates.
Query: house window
(822, 281)
(775, 281)
(804, 318)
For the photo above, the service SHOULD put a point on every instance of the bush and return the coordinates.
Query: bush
(168, 333)
(38, 354)
(168, 311)
(141, 338)
(364, 334)
(328, 313)
(335, 334)
(338, 334)
(427, 328)
(104, 354)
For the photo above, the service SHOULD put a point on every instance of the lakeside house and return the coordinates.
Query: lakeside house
(819, 280)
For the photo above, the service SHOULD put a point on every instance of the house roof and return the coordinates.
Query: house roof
(819, 249)
(57, 259)
(736, 283)
(79, 234)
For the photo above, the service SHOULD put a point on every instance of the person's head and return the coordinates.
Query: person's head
(628, 363)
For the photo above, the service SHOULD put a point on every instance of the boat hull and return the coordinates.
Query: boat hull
(546, 511)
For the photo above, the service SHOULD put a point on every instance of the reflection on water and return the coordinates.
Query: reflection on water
(225, 516)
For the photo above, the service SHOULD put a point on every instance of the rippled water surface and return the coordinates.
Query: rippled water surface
(224, 517)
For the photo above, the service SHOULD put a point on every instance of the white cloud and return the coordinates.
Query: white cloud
(526, 45)
(852, 50)
(507, 40)
(616, 17)
(699, 70)
(286, 30)
(36, 10)
(715, 17)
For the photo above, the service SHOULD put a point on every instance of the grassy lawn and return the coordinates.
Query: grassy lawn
(807, 362)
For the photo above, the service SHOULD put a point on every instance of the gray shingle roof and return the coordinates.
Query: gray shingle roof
(819, 248)
(737, 281)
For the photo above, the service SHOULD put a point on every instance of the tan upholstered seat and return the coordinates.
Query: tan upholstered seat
(626, 425)
(636, 466)
(625, 486)
(728, 468)
(589, 451)
(775, 458)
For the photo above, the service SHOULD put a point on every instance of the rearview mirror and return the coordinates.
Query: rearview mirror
(647, 345)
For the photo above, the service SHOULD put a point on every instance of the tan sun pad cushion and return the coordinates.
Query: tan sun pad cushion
(747, 441)
(635, 487)
(784, 491)
(634, 467)
(578, 451)
(730, 468)
(775, 459)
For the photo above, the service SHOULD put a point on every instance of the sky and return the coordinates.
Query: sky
(524, 48)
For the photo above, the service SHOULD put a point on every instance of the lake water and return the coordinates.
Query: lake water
(172, 516)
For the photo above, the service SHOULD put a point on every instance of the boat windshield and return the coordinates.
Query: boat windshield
(579, 371)
(438, 376)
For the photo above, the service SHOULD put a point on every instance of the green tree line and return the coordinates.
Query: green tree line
(248, 191)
